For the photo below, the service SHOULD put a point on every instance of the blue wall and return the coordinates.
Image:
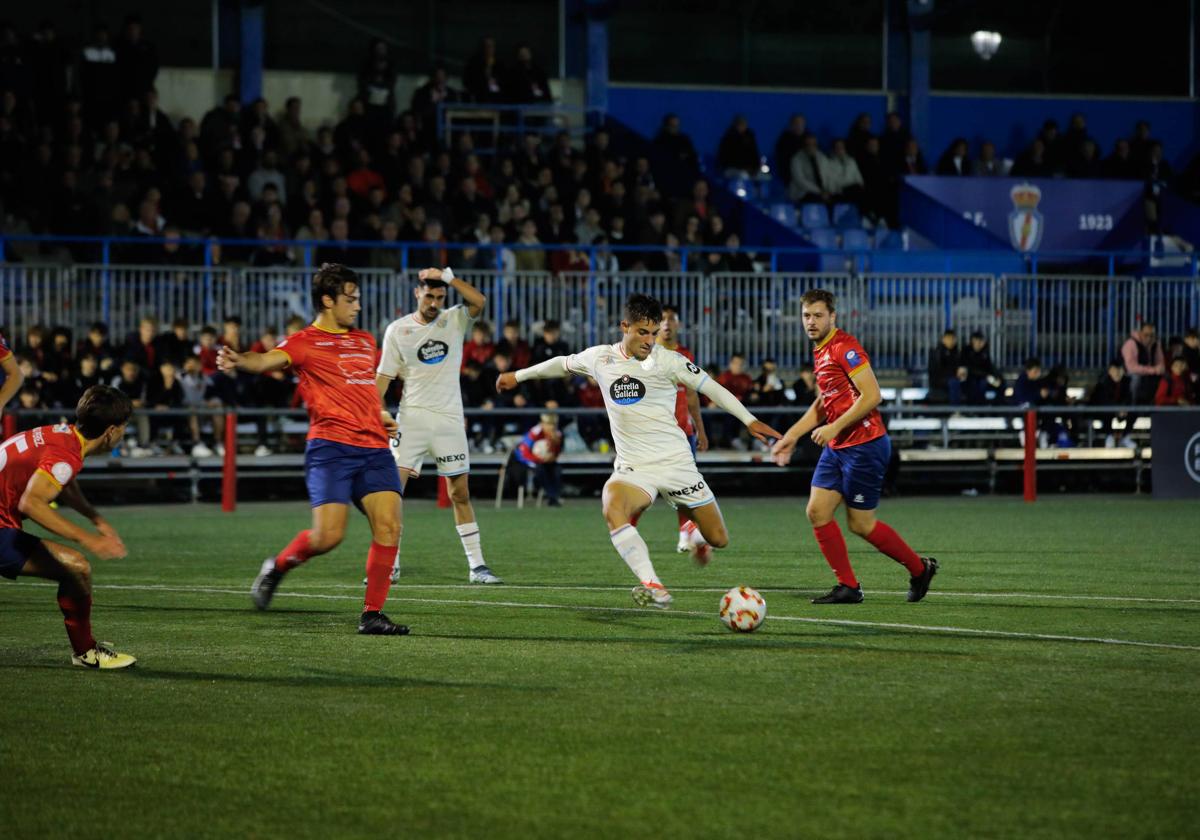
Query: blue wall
(1009, 122)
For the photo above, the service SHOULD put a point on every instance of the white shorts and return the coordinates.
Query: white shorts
(678, 484)
(426, 433)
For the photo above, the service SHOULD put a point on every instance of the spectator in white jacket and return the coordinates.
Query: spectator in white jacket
(809, 168)
(843, 180)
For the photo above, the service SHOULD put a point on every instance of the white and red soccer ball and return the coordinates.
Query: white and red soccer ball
(743, 610)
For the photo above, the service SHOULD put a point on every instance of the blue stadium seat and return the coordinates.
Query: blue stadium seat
(856, 240)
(889, 240)
(784, 213)
(845, 217)
(824, 238)
(814, 216)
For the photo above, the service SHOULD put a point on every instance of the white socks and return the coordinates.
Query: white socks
(692, 531)
(468, 532)
(632, 548)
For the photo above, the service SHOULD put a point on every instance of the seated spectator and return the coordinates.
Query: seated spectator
(293, 136)
(1112, 389)
(134, 383)
(271, 229)
(1143, 358)
(513, 345)
(843, 181)
(29, 401)
(894, 141)
(1121, 164)
(1032, 162)
(473, 386)
(339, 251)
(196, 387)
(676, 145)
(1085, 164)
(988, 165)
(206, 350)
(85, 374)
(1176, 388)
(481, 78)
(1052, 145)
(737, 155)
(142, 347)
(983, 380)
(858, 135)
(768, 386)
(1158, 176)
(96, 344)
(790, 141)
(1191, 352)
(1030, 389)
(947, 371)
(809, 168)
(735, 380)
(175, 344)
(913, 161)
(529, 258)
(549, 345)
(955, 160)
(538, 451)
(387, 257)
(804, 389)
(166, 392)
(877, 188)
(480, 348)
(267, 172)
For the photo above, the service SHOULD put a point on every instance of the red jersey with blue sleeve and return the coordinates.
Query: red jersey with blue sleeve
(836, 361)
(337, 382)
(5, 352)
(525, 449)
(56, 451)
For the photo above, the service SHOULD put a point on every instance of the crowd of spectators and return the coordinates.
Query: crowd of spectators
(85, 149)
(865, 169)
(1143, 374)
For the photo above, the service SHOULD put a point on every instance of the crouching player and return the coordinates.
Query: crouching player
(39, 466)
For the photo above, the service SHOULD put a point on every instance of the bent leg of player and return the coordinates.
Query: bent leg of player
(822, 505)
(383, 509)
(71, 570)
(622, 502)
(328, 528)
(684, 545)
(686, 490)
(864, 468)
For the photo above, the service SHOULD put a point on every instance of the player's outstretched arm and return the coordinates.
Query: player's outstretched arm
(721, 398)
(781, 452)
(13, 380)
(693, 405)
(35, 504)
(868, 399)
(474, 298)
(555, 368)
(230, 360)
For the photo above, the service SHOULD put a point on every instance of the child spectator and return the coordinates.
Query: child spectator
(539, 450)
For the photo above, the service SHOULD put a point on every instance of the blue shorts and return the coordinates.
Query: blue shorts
(338, 473)
(15, 548)
(693, 442)
(856, 472)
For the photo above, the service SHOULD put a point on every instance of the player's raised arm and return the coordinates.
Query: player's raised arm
(868, 399)
(230, 360)
(691, 376)
(555, 368)
(13, 379)
(35, 504)
(474, 298)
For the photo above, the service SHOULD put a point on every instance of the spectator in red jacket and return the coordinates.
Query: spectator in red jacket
(539, 451)
(1143, 357)
(1176, 387)
(516, 347)
(480, 348)
(740, 384)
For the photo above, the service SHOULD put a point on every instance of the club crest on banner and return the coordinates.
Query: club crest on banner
(1025, 223)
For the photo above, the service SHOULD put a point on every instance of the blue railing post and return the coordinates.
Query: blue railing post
(208, 285)
(105, 281)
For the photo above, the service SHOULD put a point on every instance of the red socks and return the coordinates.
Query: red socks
(890, 543)
(379, 575)
(833, 546)
(298, 551)
(77, 615)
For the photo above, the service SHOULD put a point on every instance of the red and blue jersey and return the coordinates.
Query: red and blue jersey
(337, 382)
(836, 361)
(525, 453)
(4, 351)
(55, 451)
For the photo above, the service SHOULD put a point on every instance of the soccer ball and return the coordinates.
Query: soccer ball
(743, 610)
(541, 449)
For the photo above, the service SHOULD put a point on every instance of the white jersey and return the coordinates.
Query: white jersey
(640, 399)
(428, 358)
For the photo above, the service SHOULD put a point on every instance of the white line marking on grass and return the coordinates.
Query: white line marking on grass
(890, 625)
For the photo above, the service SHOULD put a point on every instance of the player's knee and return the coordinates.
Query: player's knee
(77, 565)
(816, 516)
(459, 493)
(386, 532)
(720, 539)
(861, 526)
(325, 540)
(616, 517)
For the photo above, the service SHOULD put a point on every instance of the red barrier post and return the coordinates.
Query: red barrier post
(10, 425)
(229, 471)
(443, 492)
(1031, 437)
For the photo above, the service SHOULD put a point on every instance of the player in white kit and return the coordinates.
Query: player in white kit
(639, 381)
(424, 348)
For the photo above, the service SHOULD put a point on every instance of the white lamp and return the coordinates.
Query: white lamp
(985, 43)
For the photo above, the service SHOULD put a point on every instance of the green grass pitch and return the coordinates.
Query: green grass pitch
(1008, 704)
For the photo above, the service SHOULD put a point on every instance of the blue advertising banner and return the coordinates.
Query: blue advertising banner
(1034, 214)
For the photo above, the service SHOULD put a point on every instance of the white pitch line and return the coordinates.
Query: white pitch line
(890, 625)
(940, 593)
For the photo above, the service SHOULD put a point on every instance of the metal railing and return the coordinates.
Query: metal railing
(1079, 322)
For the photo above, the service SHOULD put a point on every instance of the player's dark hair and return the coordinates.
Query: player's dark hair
(639, 307)
(331, 280)
(1032, 362)
(432, 283)
(99, 408)
(819, 296)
